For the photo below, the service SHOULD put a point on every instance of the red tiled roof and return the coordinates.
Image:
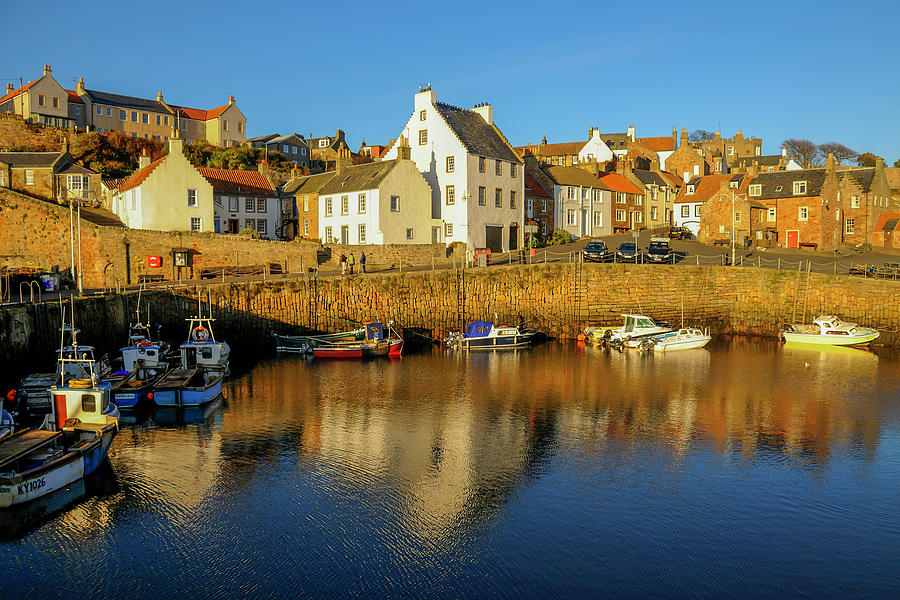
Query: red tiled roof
(704, 188)
(112, 184)
(676, 181)
(239, 182)
(879, 225)
(657, 144)
(140, 175)
(74, 97)
(533, 188)
(617, 183)
(15, 93)
(198, 114)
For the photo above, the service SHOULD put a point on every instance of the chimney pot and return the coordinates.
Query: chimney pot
(9, 88)
(230, 99)
(159, 96)
(47, 70)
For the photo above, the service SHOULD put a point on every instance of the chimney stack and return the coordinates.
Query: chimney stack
(544, 141)
(630, 134)
(143, 159)
(829, 163)
(403, 149)
(79, 89)
(9, 88)
(47, 70)
(230, 99)
(684, 137)
(486, 111)
(159, 96)
(784, 151)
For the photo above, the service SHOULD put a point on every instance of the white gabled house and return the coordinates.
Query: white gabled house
(477, 180)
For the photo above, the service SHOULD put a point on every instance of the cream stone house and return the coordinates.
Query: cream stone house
(168, 194)
(42, 101)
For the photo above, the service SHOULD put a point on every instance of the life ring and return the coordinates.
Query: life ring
(200, 334)
(143, 343)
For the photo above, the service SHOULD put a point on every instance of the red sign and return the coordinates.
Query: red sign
(154, 261)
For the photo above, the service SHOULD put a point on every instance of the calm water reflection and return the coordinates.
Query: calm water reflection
(743, 470)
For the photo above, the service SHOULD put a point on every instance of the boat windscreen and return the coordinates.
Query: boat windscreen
(478, 329)
(374, 331)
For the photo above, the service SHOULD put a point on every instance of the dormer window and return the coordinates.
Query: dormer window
(799, 187)
(733, 184)
(323, 143)
(690, 189)
(779, 188)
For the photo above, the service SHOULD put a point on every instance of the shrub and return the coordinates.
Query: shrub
(559, 237)
(250, 233)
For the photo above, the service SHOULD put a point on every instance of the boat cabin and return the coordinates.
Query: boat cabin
(636, 322)
(202, 349)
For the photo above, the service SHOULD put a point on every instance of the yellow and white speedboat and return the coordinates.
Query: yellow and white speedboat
(829, 330)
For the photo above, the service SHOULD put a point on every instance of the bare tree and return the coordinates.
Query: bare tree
(700, 135)
(803, 150)
(840, 151)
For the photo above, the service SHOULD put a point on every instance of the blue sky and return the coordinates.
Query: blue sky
(826, 71)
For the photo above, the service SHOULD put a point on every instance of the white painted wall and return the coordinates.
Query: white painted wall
(596, 147)
(584, 210)
(272, 214)
(692, 220)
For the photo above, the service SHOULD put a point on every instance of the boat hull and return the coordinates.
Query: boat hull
(190, 395)
(301, 343)
(830, 340)
(57, 474)
(691, 344)
(391, 349)
(497, 343)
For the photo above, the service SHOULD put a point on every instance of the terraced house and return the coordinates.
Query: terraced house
(44, 101)
(477, 180)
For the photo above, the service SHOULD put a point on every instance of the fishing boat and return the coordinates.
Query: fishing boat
(203, 365)
(828, 330)
(631, 334)
(71, 444)
(375, 344)
(484, 335)
(685, 338)
(303, 344)
(144, 362)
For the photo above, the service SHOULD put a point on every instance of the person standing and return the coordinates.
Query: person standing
(352, 262)
(362, 262)
(343, 264)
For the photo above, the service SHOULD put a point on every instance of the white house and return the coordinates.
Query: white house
(595, 150)
(477, 180)
(385, 202)
(244, 200)
(582, 202)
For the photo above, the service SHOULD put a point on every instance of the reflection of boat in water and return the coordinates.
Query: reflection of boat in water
(830, 353)
(174, 415)
(829, 330)
(21, 519)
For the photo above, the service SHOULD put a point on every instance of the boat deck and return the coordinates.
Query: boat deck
(176, 378)
(25, 442)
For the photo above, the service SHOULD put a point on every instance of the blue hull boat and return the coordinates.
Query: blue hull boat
(189, 387)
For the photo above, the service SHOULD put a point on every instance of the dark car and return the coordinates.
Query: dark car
(627, 252)
(596, 252)
(679, 233)
(659, 251)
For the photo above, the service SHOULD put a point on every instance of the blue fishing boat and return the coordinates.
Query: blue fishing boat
(144, 363)
(484, 335)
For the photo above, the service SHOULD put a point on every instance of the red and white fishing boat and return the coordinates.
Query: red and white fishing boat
(376, 344)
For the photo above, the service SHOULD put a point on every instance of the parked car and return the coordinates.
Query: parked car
(627, 252)
(659, 250)
(679, 233)
(596, 252)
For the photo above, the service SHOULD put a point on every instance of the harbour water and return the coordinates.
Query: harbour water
(741, 470)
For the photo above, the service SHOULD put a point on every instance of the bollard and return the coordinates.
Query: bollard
(698, 260)
(779, 264)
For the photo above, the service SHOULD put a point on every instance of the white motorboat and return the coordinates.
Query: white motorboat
(636, 329)
(685, 338)
(829, 330)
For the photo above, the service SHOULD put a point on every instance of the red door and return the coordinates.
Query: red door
(793, 238)
(888, 238)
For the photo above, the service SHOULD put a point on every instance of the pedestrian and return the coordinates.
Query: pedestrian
(343, 264)
(352, 262)
(362, 261)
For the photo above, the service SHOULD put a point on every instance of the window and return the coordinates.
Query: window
(345, 205)
(29, 177)
(771, 214)
(654, 213)
(799, 187)
(362, 233)
(225, 125)
(620, 215)
(737, 216)
(848, 227)
(305, 226)
(284, 148)
(422, 115)
(305, 203)
(328, 207)
(123, 115)
(262, 226)
(595, 195)
(854, 201)
(481, 164)
(423, 137)
(184, 124)
(145, 118)
(512, 169)
(260, 205)
(574, 160)
(302, 151)
(498, 198)
(40, 100)
(324, 143)
(570, 192)
(450, 194)
(560, 161)
(240, 127)
(529, 207)
(620, 197)
(482, 192)
(543, 228)
(2, 179)
(450, 165)
(158, 120)
(689, 190)
(99, 111)
(74, 182)
(409, 233)
(685, 211)
(109, 113)
(293, 149)
(543, 206)
(166, 121)
(638, 217)
(395, 203)
(598, 218)
(638, 200)
(328, 236)
(361, 203)
(134, 116)
(697, 208)
(249, 205)
(803, 213)
(584, 193)
(233, 205)
(755, 189)
(570, 216)
(195, 223)
(192, 197)
(448, 230)
(730, 150)
(512, 198)
(498, 168)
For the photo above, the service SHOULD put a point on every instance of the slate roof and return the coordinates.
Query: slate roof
(779, 184)
(769, 160)
(235, 181)
(533, 188)
(72, 168)
(650, 178)
(475, 134)
(359, 177)
(673, 179)
(36, 160)
(864, 177)
(126, 101)
(311, 184)
(893, 177)
(574, 176)
(615, 141)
